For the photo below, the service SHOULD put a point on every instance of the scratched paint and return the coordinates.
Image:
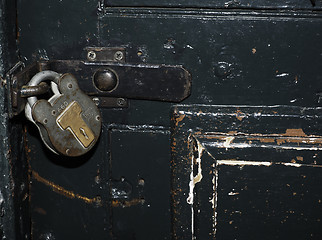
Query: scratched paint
(214, 199)
(261, 163)
(60, 190)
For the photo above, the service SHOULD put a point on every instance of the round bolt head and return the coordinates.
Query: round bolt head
(105, 80)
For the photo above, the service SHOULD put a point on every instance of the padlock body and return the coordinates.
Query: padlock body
(70, 123)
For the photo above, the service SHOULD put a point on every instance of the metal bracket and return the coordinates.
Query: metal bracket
(108, 79)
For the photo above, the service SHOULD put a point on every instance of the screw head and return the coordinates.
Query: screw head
(118, 56)
(121, 102)
(96, 100)
(91, 55)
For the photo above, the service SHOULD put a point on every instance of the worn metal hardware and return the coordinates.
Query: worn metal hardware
(105, 54)
(105, 80)
(69, 122)
(106, 75)
(29, 91)
(70, 119)
(16, 78)
(109, 102)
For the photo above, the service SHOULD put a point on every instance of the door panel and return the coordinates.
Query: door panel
(122, 186)
(234, 57)
(260, 165)
(246, 172)
(139, 165)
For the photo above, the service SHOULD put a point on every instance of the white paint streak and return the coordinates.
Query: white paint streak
(282, 75)
(233, 193)
(266, 164)
(293, 164)
(216, 201)
(243, 163)
(248, 145)
(193, 181)
(228, 141)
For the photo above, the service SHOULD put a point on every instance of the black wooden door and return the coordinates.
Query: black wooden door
(238, 159)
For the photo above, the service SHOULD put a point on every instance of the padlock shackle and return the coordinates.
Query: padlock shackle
(41, 77)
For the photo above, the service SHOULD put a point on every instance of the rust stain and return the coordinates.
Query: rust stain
(280, 141)
(265, 140)
(177, 118)
(299, 158)
(62, 191)
(296, 79)
(295, 133)
(127, 203)
(232, 132)
(199, 113)
(180, 118)
(297, 136)
(240, 115)
(28, 159)
(40, 211)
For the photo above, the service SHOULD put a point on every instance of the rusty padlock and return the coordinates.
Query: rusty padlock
(69, 122)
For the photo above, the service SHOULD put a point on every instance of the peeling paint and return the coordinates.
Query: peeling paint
(127, 203)
(194, 180)
(240, 115)
(228, 141)
(282, 75)
(233, 193)
(214, 198)
(178, 119)
(295, 133)
(257, 163)
(250, 144)
(243, 163)
(292, 139)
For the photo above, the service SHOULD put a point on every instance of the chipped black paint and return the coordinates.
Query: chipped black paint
(239, 52)
(14, 204)
(233, 176)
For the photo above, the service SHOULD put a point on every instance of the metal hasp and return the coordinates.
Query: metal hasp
(105, 74)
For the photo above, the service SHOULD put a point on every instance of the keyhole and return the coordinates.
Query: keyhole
(83, 132)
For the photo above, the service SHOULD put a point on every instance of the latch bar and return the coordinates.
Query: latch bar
(116, 79)
(135, 81)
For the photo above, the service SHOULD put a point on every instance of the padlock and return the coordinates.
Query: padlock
(69, 122)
